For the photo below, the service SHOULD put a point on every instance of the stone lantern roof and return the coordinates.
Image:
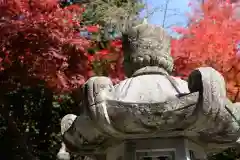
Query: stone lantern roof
(151, 113)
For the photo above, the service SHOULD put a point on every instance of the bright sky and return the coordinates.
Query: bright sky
(176, 14)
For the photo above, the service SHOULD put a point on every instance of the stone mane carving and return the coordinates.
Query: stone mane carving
(151, 102)
(146, 45)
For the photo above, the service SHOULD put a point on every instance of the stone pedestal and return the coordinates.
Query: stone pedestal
(157, 149)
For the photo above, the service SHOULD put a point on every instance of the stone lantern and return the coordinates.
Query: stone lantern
(152, 115)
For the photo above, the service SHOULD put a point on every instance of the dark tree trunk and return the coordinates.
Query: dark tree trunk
(45, 126)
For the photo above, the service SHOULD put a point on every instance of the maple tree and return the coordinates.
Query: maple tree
(44, 45)
(211, 39)
(41, 41)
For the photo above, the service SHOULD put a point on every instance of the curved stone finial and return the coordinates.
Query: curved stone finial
(66, 123)
(146, 45)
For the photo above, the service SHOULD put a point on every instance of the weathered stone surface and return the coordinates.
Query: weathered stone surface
(151, 103)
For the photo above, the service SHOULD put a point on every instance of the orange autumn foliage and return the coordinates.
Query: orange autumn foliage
(211, 39)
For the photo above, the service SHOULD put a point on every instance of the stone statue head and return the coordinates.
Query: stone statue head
(146, 45)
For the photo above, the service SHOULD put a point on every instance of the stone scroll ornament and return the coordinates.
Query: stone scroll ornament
(151, 102)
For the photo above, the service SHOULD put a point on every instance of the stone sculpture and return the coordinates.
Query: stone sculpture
(151, 102)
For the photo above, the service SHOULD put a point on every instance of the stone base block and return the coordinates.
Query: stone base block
(157, 149)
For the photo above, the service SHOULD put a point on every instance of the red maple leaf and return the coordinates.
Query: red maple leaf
(92, 29)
